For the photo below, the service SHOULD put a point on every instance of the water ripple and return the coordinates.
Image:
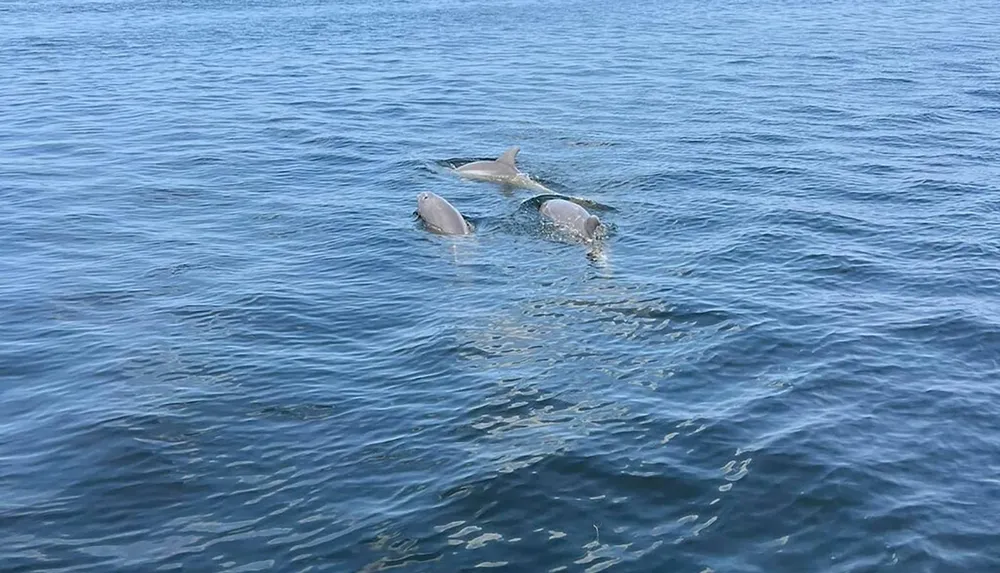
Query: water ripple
(226, 344)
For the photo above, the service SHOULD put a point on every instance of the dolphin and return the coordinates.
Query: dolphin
(440, 216)
(501, 170)
(571, 216)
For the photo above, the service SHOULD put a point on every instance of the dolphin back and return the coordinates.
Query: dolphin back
(509, 156)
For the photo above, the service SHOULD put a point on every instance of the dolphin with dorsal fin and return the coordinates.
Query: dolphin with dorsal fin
(503, 169)
(440, 216)
(570, 216)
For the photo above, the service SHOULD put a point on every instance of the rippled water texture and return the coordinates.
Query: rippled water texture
(226, 344)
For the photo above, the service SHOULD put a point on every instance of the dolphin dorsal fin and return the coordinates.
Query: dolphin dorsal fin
(591, 225)
(508, 156)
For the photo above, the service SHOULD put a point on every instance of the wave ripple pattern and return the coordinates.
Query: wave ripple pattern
(226, 344)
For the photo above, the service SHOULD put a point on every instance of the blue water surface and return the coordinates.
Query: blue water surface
(227, 344)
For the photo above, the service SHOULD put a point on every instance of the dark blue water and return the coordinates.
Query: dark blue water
(226, 344)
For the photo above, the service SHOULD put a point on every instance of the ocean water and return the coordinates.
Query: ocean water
(227, 344)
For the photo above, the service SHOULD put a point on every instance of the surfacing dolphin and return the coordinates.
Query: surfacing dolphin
(571, 216)
(501, 170)
(440, 216)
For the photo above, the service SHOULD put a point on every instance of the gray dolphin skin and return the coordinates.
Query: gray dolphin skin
(440, 216)
(504, 167)
(501, 170)
(571, 216)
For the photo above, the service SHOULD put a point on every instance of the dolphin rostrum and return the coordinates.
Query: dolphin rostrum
(571, 216)
(501, 170)
(440, 216)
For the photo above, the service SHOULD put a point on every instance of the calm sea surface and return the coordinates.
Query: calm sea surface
(226, 343)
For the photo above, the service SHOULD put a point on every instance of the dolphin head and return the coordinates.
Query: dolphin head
(440, 215)
(590, 226)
